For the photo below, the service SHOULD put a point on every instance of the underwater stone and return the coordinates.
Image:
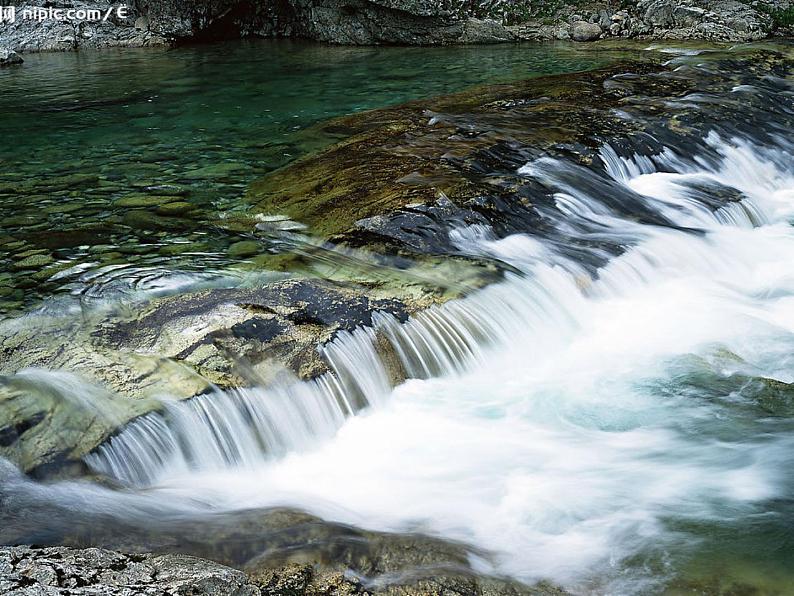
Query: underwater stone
(246, 248)
(177, 208)
(32, 262)
(142, 200)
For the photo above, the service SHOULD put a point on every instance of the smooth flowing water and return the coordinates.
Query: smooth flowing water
(623, 430)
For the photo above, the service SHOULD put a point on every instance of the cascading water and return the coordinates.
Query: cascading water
(547, 419)
(615, 410)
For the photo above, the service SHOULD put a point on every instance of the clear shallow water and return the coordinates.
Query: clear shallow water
(204, 122)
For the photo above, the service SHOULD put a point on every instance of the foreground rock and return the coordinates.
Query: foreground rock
(412, 570)
(28, 571)
(120, 363)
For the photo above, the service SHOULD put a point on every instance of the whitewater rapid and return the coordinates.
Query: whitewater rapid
(552, 421)
(565, 422)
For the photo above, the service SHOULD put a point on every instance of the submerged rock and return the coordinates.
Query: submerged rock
(246, 248)
(32, 262)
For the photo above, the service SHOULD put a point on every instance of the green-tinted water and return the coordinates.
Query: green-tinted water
(127, 162)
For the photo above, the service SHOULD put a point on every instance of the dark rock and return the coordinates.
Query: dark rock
(9, 57)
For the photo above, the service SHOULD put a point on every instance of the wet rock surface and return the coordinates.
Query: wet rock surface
(28, 571)
(410, 174)
(270, 552)
(180, 346)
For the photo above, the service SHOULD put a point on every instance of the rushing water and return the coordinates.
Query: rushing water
(629, 418)
(619, 430)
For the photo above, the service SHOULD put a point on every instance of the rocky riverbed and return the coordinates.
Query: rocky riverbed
(417, 22)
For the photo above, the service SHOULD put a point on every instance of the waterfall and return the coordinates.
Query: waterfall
(543, 305)
(579, 416)
(245, 426)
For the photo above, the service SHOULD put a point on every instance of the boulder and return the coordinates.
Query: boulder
(660, 14)
(584, 31)
(485, 31)
(9, 57)
(718, 20)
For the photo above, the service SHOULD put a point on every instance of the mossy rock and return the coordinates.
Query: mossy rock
(403, 155)
(176, 208)
(35, 261)
(246, 248)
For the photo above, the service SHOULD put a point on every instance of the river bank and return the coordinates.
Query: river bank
(413, 22)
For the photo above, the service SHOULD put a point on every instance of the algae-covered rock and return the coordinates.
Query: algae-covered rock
(143, 200)
(246, 248)
(36, 261)
(397, 158)
(176, 208)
